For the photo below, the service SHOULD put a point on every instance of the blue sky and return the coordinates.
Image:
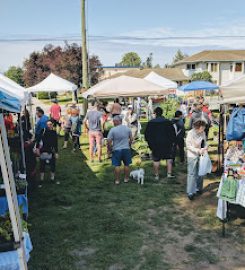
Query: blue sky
(116, 26)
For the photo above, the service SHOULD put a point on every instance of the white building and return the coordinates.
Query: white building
(223, 65)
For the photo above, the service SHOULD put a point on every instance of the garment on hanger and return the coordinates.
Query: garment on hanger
(221, 209)
(229, 190)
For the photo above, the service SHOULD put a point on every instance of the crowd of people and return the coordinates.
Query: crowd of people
(117, 126)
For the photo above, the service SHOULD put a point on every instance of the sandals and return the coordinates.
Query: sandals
(116, 182)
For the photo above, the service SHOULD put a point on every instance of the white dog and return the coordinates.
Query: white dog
(138, 175)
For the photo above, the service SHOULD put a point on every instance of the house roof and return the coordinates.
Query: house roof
(118, 67)
(174, 74)
(214, 55)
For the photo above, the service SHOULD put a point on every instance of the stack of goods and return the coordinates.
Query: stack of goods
(232, 185)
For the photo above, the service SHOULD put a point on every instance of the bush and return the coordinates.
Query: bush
(46, 95)
(169, 108)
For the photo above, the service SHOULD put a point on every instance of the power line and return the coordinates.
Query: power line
(105, 38)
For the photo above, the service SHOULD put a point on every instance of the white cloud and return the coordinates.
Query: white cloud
(162, 41)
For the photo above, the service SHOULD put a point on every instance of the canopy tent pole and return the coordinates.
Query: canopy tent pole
(221, 139)
(10, 190)
(23, 160)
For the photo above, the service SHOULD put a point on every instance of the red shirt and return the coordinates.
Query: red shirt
(9, 123)
(55, 112)
(207, 111)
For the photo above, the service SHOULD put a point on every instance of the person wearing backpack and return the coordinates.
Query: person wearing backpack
(47, 146)
(179, 127)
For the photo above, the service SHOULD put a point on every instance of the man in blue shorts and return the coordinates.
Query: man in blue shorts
(119, 142)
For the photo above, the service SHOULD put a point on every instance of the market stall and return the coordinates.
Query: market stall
(53, 83)
(13, 240)
(198, 86)
(125, 86)
(231, 192)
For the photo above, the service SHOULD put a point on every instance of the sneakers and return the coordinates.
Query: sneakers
(65, 145)
(191, 196)
(170, 176)
(157, 177)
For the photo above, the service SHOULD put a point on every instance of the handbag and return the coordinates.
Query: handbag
(205, 165)
(46, 156)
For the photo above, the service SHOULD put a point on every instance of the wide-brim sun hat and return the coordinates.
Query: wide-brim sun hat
(201, 119)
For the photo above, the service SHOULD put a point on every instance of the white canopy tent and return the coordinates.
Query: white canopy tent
(125, 86)
(234, 91)
(13, 89)
(163, 82)
(53, 83)
(14, 96)
(160, 80)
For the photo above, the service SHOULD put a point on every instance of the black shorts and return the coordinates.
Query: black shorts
(156, 157)
(51, 163)
(55, 122)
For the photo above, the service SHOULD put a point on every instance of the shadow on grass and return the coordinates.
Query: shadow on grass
(87, 222)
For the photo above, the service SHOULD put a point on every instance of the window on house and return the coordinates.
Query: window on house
(231, 68)
(206, 66)
(238, 67)
(214, 67)
(190, 66)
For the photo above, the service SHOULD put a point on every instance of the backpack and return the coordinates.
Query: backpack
(236, 126)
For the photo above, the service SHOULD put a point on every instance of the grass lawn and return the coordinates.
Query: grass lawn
(88, 223)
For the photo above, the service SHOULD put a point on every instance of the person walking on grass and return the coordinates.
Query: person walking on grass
(76, 128)
(66, 126)
(41, 123)
(131, 119)
(196, 146)
(119, 144)
(179, 126)
(161, 138)
(55, 114)
(93, 121)
(48, 150)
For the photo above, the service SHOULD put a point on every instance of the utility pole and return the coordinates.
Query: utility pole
(84, 54)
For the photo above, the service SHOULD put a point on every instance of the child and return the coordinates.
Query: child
(75, 128)
(66, 126)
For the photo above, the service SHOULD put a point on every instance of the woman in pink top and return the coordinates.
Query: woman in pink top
(116, 108)
(55, 113)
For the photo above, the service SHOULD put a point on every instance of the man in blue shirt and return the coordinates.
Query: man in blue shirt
(41, 123)
(119, 143)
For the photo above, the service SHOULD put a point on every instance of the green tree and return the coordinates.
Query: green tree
(131, 59)
(201, 76)
(16, 74)
(179, 56)
(149, 60)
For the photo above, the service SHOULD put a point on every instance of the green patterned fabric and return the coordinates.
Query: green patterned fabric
(229, 190)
